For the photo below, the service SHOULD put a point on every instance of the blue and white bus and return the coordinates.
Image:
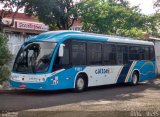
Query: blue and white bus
(77, 60)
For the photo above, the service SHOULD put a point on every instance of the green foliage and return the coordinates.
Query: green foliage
(4, 73)
(154, 25)
(58, 14)
(112, 17)
(5, 57)
(133, 32)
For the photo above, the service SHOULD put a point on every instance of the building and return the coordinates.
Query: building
(76, 25)
(157, 51)
(24, 27)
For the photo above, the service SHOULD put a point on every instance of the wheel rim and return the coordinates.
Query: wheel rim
(80, 83)
(135, 79)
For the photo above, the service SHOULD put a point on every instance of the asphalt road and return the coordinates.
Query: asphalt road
(23, 100)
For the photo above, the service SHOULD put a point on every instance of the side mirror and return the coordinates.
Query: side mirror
(61, 50)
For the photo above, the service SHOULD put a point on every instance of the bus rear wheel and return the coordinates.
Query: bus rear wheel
(80, 84)
(135, 79)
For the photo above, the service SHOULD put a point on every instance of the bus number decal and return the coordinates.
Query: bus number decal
(55, 80)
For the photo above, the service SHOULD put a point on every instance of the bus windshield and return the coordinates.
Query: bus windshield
(34, 57)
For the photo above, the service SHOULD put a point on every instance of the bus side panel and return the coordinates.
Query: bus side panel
(124, 73)
(102, 75)
(146, 70)
(63, 80)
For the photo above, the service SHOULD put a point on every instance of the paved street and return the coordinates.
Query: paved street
(145, 96)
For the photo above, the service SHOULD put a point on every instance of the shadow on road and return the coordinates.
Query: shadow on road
(29, 99)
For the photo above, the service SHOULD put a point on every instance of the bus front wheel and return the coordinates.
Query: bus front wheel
(80, 84)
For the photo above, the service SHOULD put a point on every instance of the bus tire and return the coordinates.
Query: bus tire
(80, 84)
(135, 79)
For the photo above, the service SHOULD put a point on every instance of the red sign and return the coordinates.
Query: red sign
(31, 26)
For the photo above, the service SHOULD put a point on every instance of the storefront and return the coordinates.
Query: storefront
(24, 27)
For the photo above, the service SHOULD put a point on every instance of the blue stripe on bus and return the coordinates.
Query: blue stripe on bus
(124, 72)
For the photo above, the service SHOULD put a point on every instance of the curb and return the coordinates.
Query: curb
(15, 91)
(7, 91)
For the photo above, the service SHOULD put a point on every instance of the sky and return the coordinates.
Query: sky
(146, 6)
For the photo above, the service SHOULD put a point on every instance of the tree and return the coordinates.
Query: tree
(10, 7)
(58, 14)
(110, 17)
(155, 24)
(120, 2)
(157, 5)
(5, 57)
(155, 20)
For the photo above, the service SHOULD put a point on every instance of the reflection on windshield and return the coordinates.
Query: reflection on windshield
(34, 57)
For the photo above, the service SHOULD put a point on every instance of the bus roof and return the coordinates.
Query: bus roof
(61, 36)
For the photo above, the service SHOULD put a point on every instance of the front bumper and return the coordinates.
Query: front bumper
(36, 86)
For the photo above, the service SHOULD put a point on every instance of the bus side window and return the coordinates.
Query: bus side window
(152, 53)
(109, 54)
(61, 62)
(146, 53)
(122, 54)
(65, 58)
(94, 54)
(78, 53)
(141, 53)
(134, 52)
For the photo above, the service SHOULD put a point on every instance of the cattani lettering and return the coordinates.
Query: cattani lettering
(102, 71)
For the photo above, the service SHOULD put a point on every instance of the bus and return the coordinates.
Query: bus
(77, 60)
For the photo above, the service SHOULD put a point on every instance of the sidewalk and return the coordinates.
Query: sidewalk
(5, 88)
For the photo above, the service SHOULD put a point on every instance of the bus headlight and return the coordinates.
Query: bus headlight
(41, 80)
